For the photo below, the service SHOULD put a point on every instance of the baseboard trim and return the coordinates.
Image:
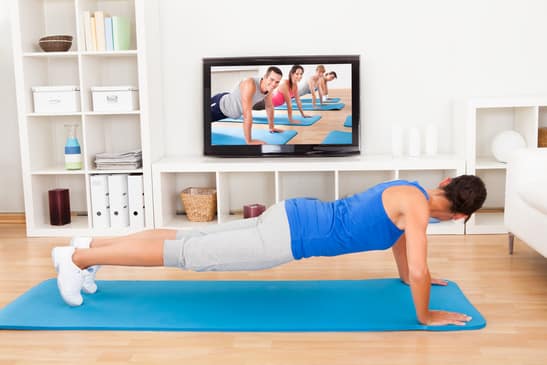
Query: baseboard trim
(12, 218)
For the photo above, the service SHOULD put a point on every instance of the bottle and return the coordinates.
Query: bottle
(73, 153)
(431, 140)
(414, 142)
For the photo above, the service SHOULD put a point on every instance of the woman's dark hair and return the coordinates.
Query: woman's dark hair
(467, 193)
(293, 71)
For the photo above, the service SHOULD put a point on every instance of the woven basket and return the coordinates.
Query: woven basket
(55, 43)
(542, 137)
(200, 204)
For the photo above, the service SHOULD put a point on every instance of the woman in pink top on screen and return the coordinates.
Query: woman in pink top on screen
(286, 91)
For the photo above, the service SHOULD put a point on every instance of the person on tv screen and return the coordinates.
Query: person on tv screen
(239, 102)
(393, 214)
(324, 87)
(311, 85)
(285, 92)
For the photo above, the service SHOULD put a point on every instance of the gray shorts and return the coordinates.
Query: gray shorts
(248, 244)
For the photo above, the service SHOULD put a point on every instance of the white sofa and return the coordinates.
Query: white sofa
(526, 198)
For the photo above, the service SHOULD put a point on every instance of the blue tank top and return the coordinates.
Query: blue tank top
(353, 224)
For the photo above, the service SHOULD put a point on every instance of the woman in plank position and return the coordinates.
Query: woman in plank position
(393, 215)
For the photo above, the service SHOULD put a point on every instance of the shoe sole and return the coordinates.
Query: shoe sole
(54, 260)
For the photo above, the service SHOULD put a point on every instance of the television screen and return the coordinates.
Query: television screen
(290, 105)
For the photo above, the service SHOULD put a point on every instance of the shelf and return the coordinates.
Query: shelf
(51, 54)
(131, 112)
(448, 227)
(489, 163)
(270, 180)
(108, 53)
(43, 135)
(487, 223)
(59, 170)
(109, 172)
(54, 114)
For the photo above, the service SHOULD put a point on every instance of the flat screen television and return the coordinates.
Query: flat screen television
(263, 106)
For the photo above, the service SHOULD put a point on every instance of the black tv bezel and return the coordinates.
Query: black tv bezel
(291, 149)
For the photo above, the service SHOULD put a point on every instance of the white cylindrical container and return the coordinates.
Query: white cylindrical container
(431, 140)
(397, 141)
(414, 142)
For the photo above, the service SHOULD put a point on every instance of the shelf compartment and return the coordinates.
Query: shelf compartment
(428, 179)
(47, 139)
(237, 189)
(40, 17)
(495, 187)
(42, 71)
(353, 182)
(486, 223)
(310, 184)
(117, 70)
(169, 210)
(111, 133)
(78, 205)
(124, 8)
(491, 121)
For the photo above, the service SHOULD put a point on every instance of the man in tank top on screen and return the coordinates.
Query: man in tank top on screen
(239, 102)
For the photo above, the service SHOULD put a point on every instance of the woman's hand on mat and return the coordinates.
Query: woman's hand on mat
(439, 282)
(276, 130)
(441, 318)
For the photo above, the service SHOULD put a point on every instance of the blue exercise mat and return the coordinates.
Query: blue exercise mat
(278, 120)
(337, 305)
(329, 100)
(338, 137)
(234, 136)
(348, 122)
(309, 106)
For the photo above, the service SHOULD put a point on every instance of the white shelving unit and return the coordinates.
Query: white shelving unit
(267, 181)
(485, 118)
(43, 136)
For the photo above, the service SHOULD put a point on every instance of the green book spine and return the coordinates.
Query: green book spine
(121, 33)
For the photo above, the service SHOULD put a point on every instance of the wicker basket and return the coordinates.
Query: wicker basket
(542, 137)
(200, 204)
(55, 43)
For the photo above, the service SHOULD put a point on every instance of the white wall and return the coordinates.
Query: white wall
(417, 56)
(11, 185)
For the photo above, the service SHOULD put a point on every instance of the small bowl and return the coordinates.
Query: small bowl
(55, 46)
(56, 37)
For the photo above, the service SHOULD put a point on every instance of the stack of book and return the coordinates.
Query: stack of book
(106, 33)
(119, 160)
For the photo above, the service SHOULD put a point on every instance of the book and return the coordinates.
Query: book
(121, 33)
(99, 31)
(108, 34)
(93, 34)
(89, 46)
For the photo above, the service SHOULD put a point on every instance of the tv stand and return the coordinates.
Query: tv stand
(241, 181)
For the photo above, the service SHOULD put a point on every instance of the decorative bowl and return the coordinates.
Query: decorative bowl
(55, 43)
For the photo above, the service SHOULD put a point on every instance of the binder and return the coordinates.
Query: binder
(135, 193)
(100, 201)
(117, 193)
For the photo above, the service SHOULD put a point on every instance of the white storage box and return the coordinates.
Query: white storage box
(115, 98)
(56, 99)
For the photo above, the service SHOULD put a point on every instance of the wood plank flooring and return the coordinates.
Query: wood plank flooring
(510, 291)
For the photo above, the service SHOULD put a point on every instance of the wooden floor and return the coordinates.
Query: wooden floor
(510, 291)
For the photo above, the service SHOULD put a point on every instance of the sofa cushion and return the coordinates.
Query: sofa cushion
(534, 193)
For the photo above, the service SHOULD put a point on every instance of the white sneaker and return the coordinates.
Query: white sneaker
(70, 277)
(89, 286)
